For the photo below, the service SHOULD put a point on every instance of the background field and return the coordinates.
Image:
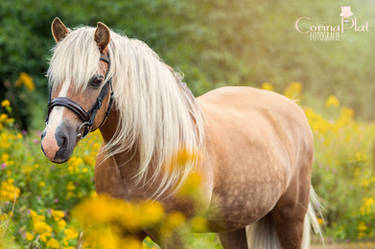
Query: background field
(214, 43)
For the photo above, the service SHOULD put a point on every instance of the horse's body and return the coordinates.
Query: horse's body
(258, 153)
(257, 142)
(255, 163)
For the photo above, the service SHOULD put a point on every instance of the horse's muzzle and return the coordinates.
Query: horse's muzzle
(58, 145)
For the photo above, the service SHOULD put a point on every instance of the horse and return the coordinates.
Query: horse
(255, 146)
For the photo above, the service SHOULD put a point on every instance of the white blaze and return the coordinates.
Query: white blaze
(55, 118)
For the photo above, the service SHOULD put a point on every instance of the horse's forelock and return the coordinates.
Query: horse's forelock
(74, 59)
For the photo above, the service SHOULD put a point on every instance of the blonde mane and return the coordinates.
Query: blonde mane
(158, 114)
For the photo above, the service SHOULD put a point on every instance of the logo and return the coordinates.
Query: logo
(346, 11)
(347, 22)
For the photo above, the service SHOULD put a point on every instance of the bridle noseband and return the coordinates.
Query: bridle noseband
(86, 117)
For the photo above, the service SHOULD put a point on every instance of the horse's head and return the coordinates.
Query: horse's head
(81, 93)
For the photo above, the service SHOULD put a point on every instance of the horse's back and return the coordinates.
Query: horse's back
(255, 141)
(239, 100)
(258, 114)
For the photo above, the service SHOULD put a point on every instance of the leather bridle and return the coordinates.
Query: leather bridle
(87, 117)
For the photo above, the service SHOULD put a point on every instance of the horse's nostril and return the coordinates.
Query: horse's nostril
(64, 141)
(61, 139)
(43, 134)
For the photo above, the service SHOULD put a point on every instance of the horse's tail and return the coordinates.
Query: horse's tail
(262, 234)
(311, 219)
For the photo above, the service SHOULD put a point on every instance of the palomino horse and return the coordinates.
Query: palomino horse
(255, 147)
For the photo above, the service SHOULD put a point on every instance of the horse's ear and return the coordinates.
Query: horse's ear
(59, 30)
(102, 35)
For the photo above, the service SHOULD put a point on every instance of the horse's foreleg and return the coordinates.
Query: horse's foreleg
(234, 240)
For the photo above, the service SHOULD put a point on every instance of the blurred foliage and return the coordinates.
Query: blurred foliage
(213, 43)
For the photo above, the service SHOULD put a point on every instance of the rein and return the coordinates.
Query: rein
(87, 117)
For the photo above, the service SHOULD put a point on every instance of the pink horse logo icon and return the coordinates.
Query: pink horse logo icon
(346, 11)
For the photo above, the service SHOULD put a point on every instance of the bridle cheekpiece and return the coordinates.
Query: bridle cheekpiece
(87, 117)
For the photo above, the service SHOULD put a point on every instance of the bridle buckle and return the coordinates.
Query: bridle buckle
(83, 130)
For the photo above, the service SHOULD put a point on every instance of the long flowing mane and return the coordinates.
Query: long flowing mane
(158, 114)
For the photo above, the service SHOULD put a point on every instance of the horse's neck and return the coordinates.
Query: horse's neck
(127, 162)
(109, 127)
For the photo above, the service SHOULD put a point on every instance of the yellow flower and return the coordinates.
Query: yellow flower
(107, 240)
(70, 195)
(332, 101)
(95, 210)
(192, 186)
(36, 217)
(4, 157)
(57, 214)
(175, 219)
(152, 212)
(26, 80)
(294, 90)
(184, 156)
(29, 236)
(42, 227)
(89, 160)
(4, 140)
(42, 184)
(44, 236)
(5, 103)
(9, 120)
(131, 243)
(3, 117)
(346, 114)
(267, 86)
(70, 186)
(74, 164)
(53, 243)
(320, 221)
(70, 234)
(61, 224)
(362, 227)
(368, 206)
(9, 192)
(199, 224)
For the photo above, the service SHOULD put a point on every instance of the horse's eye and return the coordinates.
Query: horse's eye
(96, 81)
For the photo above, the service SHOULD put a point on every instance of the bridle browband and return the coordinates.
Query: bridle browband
(86, 117)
